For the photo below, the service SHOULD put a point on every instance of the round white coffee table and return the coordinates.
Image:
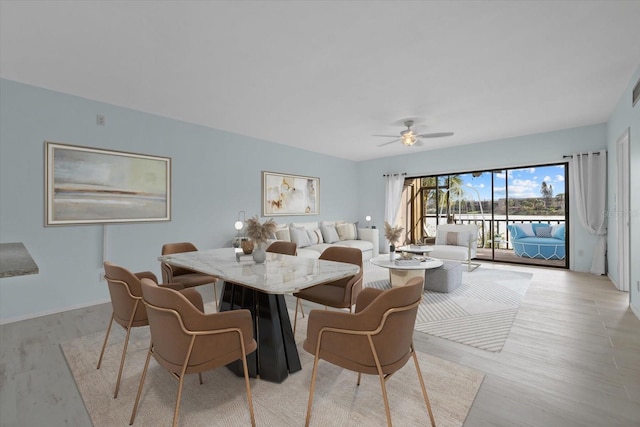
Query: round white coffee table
(399, 273)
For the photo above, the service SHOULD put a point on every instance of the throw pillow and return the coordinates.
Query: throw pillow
(299, 236)
(347, 231)
(543, 231)
(527, 230)
(454, 238)
(557, 231)
(329, 234)
(283, 234)
(315, 237)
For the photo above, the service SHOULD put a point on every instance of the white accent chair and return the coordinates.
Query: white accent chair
(458, 242)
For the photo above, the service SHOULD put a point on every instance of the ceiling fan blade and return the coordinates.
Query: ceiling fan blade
(435, 135)
(387, 136)
(387, 143)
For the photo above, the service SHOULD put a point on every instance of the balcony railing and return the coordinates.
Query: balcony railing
(499, 225)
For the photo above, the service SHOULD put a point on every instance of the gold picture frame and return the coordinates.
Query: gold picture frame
(286, 194)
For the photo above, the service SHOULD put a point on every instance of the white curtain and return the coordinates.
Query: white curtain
(589, 183)
(394, 187)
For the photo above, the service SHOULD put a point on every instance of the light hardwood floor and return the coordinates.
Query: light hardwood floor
(572, 359)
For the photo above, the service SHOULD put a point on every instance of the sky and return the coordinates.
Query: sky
(523, 183)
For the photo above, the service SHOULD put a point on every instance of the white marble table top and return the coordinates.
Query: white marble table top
(279, 274)
(385, 261)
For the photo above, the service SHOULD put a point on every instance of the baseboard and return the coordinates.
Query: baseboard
(634, 310)
(53, 311)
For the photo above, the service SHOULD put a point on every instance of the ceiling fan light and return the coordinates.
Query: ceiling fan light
(408, 140)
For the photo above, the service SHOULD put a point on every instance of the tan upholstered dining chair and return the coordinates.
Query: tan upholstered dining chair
(340, 293)
(184, 340)
(282, 247)
(377, 339)
(128, 309)
(188, 278)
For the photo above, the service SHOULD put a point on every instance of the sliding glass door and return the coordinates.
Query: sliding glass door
(521, 213)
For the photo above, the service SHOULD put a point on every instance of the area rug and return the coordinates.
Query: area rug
(479, 313)
(221, 400)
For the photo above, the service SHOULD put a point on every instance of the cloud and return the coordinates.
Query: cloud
(520, 188)
(547, 178)
(560, 178)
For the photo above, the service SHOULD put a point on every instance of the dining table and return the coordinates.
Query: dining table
(261, 288)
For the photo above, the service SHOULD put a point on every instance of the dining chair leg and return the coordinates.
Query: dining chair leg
(200, 377)
(215, 294)
(311, 388)
(106, 338)
(124, 355)
(295, 316)
(424, 389)
(359, 376)
(382, 380)
(177, 408)
(144, 374)
(246, 382)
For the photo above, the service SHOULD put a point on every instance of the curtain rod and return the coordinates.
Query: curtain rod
(597, 153)
(395, 174)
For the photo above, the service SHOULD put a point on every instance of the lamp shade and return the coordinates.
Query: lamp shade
(238, 225)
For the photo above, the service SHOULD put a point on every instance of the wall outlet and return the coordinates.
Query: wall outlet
(100, 120)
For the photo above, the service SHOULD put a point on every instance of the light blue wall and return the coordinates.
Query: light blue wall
(512, 152)
(625, 117)
(215, 174)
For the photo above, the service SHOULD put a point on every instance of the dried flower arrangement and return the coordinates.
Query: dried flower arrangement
(258, 232)
(392, 233)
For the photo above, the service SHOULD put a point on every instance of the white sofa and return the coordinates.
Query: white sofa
(313, 238)
(458, 242)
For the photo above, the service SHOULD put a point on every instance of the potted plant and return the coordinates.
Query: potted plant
(259, 233)
(393, 235)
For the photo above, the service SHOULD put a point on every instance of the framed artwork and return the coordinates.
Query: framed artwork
(88, 185)
(290, 194)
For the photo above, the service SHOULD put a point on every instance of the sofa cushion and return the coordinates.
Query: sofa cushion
(347, 231)
(363, 245)
(299, 236)
(283, 234)
(308, 225)
(329, 234)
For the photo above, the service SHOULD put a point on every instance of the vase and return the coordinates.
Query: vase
(259, 255)
(392, 252)
(247, 246)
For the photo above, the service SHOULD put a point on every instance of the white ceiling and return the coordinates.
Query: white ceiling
(326, 76)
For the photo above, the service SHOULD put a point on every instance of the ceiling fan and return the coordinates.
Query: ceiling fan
(408, 137)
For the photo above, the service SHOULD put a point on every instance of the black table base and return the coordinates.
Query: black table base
(277, 355)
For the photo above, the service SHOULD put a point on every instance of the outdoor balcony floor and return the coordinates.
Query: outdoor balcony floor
(508, 255)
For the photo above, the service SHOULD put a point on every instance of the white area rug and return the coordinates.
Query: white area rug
(479, 313)
(221, 400)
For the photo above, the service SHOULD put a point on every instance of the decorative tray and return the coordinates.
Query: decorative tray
(412, 261)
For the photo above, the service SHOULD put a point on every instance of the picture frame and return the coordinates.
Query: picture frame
(286, 194)
(86, 185)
